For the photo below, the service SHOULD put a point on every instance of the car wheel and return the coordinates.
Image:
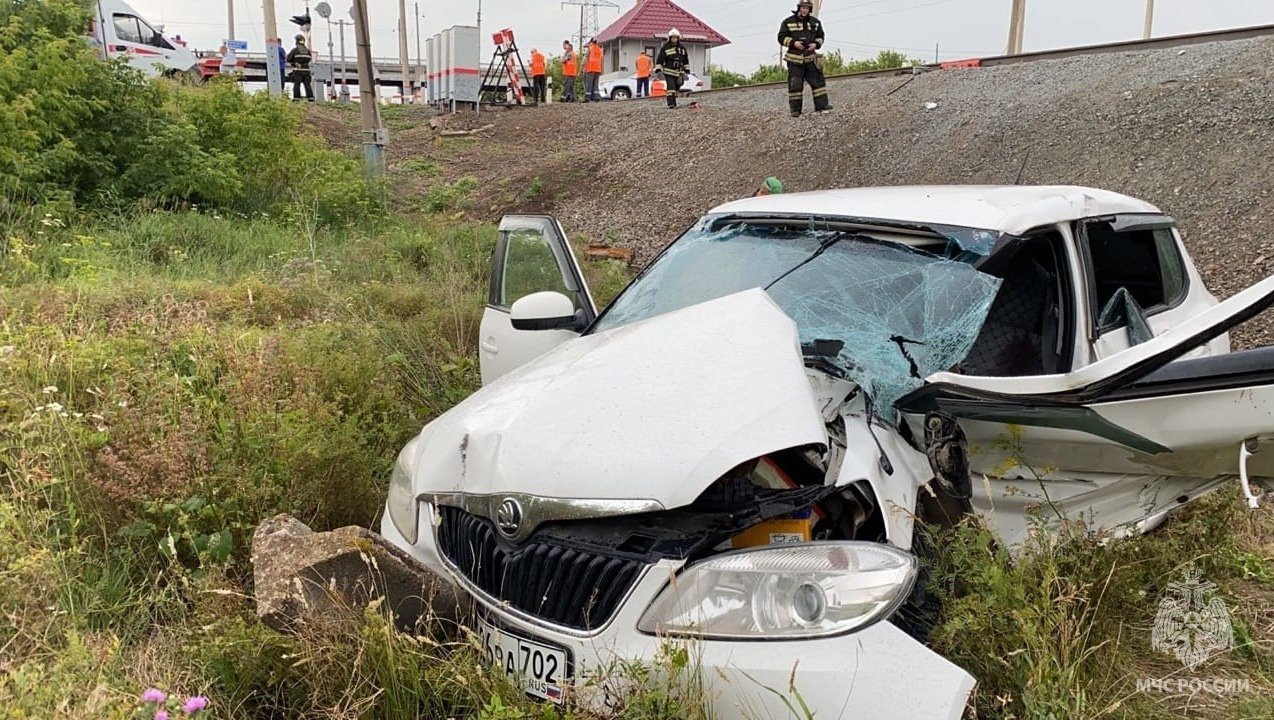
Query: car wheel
(621, 93)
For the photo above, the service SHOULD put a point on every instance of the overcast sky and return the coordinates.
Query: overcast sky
(859, 28)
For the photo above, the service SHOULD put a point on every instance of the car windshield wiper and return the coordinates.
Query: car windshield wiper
(820, 354)
(822, 248)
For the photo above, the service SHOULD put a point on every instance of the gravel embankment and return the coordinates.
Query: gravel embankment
(1190, 130)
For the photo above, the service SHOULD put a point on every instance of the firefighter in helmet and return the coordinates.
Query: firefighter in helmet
(801, 35)
(674, 62)
(299, 63)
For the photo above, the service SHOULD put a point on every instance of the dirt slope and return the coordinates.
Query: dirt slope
(1190, 130)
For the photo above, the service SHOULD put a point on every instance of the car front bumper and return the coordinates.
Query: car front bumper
(878, 672)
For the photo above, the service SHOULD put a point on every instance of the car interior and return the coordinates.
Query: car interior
(1026, 331)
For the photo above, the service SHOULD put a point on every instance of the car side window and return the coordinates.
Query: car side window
(151, 36)
(126, 29)
(529, 267)
(1143, 261)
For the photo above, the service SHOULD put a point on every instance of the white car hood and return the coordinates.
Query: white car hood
(656, 410)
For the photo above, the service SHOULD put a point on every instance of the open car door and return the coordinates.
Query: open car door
(1119, 443)
(538, 298)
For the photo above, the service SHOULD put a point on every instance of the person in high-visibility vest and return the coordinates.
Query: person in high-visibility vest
(801, 35)
(539, 80)
(570, 69)
(592, 71)
(643, 74)
(673, 61)
(299, 61)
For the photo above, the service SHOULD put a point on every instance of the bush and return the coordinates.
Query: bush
(74, 128)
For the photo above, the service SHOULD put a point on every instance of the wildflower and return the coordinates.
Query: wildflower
(7, 350)
(54, 407)
(195, 704)
(154, 695)
(50, 389)
(161, 715)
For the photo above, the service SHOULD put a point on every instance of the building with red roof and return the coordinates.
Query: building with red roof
(645, 27)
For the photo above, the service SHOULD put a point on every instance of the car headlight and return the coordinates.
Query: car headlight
(402, 505)
(800, 591)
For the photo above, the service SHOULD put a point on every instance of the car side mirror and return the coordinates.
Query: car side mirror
(548, 310)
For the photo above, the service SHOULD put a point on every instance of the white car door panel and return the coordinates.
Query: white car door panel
(1130, 413)
(531, 256)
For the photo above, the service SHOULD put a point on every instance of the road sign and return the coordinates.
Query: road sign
(237, 44)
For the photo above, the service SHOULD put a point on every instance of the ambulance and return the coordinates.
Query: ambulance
(120, 31)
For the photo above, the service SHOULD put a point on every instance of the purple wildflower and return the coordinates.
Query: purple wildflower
(161, 715)
(154, 695)
(195, 704)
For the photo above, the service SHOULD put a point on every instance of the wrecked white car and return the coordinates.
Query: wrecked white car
(734, 452)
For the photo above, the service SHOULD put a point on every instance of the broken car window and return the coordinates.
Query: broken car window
(1143, 261)
(900, 313)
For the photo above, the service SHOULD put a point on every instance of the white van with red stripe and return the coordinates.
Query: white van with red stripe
(120, 31)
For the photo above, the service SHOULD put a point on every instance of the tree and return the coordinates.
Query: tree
(722, 78)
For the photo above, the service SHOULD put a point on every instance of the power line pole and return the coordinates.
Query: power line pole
(344, 82)
(1017, 20)
(273, 70)
(374, 138)
(1150, 18)
(588, 15)
(402, 49)
(419, 86)
(230, 18)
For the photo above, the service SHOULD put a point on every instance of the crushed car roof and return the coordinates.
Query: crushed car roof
(1011, 209)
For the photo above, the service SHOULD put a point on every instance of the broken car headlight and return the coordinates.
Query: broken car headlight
(402, 505)
(798, 591)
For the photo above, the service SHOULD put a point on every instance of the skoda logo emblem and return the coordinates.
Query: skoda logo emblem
(509, 518)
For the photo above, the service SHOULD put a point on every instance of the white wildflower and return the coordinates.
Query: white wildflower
(49, 389)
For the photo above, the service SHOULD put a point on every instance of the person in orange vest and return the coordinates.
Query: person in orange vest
(592, 71)
(570, 69)
(643, 74)
(539, 80)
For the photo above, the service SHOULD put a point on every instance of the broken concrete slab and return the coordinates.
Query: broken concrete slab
(300, 574)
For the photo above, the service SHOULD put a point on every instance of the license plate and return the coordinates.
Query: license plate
(542, 670)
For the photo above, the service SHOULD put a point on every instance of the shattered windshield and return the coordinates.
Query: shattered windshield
(893, 314)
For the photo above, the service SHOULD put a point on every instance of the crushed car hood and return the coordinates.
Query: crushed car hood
(656, 410)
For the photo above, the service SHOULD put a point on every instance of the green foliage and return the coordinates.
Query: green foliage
(74, 128)
(834, 63)
(447, 198)
(722, 78)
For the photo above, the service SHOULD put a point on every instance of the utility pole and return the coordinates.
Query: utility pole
(273, 70)
(1150, 18)
(374, 138)
(402, 49)
(419, 70)
(230, 19)
(1017, 22)
(344, 83)
(588, 16)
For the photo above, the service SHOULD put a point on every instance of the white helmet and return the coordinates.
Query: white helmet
(674, 33)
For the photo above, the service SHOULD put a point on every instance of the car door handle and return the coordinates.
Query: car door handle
(120, 48)
(489, 346)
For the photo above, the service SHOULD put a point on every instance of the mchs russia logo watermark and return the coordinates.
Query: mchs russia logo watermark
(1192, 624)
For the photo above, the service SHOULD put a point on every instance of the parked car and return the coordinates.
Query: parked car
(623, 87)
(736, 449)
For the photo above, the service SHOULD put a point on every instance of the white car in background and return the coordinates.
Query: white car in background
(624, 87)
(732, 455)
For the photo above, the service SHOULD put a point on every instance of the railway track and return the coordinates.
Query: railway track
(1116, 47)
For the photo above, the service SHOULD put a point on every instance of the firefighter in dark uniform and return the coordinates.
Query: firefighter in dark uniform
(299, 62)
(674, 62)
(801, 35)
